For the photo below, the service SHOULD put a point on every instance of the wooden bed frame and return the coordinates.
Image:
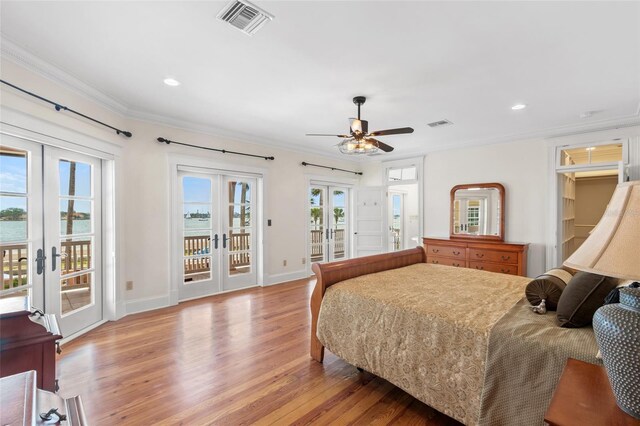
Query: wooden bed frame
(329, 274)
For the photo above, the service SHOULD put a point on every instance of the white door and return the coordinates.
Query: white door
(369, 222)
(72, 238)
(200, 231)
(329, 225)
(396, 220)
(219, 233)
(239, 233)
(21, 236)
(51, 231)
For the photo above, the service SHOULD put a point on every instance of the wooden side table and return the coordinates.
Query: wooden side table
(584, 397)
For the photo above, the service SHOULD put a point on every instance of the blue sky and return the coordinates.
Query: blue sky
(198, 190)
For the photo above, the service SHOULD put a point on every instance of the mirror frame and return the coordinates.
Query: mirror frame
(501, 191)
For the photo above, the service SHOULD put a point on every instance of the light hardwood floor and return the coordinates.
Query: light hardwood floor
(237, 358)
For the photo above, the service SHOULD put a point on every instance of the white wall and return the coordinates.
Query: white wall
(145, 185)
(523, 170)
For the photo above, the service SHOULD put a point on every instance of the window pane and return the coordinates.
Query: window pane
(13, 164)
(75, 179)
(15, 265)
(316, 196)
(316, 217)
(591, 155)
(239, 192)
(409, 173)
(76, 255)
(239, 263)
(239, 240)
(197, 243)
(197, 216)
(339, 198)
(13, 219)
(76, 292)
(197, 269)
(239, 216)
(196, 190)
(395, 174)
(75, 216)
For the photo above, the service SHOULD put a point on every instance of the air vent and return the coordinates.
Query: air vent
(245, 16)
(440, 123)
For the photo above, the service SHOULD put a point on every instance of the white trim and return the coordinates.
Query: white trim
(286, 277)
(146, 304)
(30, 127)
(183, 162)
(31, 62)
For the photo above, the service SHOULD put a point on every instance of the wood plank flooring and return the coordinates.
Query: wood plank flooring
(233, 359)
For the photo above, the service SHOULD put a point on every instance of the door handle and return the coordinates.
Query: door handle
(215, 241)
(224, 241)
(332, 231)
(40, 258)
(55, 255)
(327, 233)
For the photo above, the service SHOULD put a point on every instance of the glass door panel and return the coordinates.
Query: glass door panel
(72, 212)
(317, 237)
(21, 219)
(199, 235)
(239, 238)
(339, 217)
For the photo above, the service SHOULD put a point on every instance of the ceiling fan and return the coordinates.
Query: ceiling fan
(359, 140)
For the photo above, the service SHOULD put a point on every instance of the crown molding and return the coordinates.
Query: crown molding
(14, 53)
(260, 142)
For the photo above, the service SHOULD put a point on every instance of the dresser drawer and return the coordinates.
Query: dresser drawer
(494, 267)
(437, 260)
(447, 251)
(483, 255)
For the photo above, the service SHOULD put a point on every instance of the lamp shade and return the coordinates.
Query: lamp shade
(613, 248)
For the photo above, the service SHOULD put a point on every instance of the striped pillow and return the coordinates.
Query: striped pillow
(548, 286)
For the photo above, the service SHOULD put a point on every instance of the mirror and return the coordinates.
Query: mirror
(477, 211)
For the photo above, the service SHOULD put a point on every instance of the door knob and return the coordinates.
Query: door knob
(54, 255)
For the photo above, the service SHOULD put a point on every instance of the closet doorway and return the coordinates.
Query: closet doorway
(587, 177)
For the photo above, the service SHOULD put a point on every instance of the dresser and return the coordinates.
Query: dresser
(28, 342)
(493, 256)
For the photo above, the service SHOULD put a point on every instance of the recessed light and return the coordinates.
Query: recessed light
(171, 82)
(518, 106)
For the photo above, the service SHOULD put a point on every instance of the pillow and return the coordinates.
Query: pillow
(584, 294)
(548, 286)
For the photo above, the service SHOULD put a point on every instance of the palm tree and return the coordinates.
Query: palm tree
(338, 214)
(316, 214)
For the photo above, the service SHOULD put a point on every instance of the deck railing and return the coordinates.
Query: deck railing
(317, 244)
(75, 257)
(239, 245)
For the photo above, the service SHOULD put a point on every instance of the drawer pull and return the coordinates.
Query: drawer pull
(506, 257)
(505, 271)
(480, 255)
(480, 267)
(457, 253)
(434, 261)
(435, 250)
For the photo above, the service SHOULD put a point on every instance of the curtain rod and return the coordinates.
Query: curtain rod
(60, 107)
(304, 163)
(224, 151)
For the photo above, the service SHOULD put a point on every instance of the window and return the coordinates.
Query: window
(403, 174)
(588, 155)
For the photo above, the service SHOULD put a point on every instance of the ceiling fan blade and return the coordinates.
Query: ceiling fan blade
(324, 134)
(399, 131)
(383, 146)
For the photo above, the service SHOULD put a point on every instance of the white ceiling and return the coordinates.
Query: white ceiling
(416, 62)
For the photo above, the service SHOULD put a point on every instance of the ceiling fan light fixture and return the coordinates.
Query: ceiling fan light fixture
(356, 126)
(353, 147)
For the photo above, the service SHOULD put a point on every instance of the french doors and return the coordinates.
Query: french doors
(219, 233)
(50, 216)
(328, 223)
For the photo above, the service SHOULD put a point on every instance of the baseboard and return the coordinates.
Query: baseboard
(286, 276)
(146, 304)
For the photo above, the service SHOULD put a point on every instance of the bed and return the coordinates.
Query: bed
(462, 341)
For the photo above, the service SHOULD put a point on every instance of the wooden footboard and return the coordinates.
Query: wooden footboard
(331, 273)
